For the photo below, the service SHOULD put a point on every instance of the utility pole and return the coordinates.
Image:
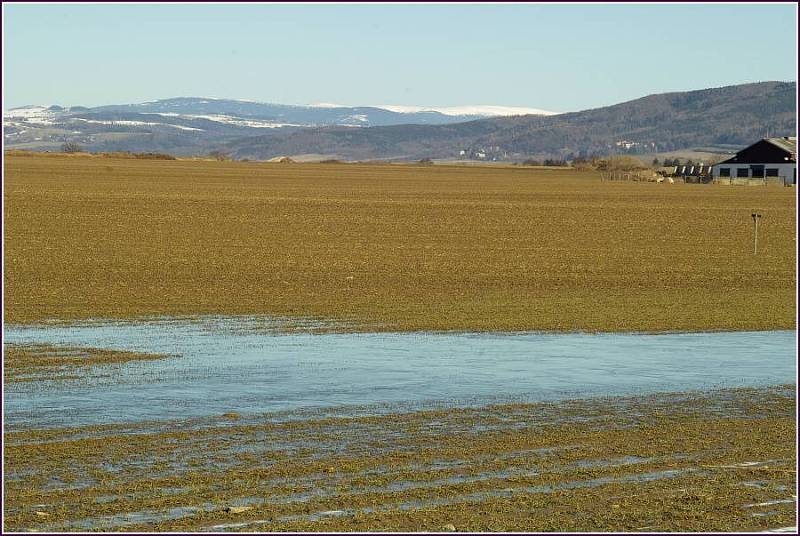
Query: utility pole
(756, 217)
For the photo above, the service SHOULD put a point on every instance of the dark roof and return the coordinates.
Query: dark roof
(767, 151)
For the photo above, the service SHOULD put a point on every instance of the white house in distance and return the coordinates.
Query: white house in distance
(770, 159)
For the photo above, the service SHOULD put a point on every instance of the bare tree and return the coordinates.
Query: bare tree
(616, 168)
(71, 147)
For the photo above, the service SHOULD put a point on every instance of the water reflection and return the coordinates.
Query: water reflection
(235, 365)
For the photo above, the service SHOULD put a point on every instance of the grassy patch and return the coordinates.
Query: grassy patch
(38, 362)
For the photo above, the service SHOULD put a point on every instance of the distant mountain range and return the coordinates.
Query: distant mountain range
(729, 117)
(191, 125)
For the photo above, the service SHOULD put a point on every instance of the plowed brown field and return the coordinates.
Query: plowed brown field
(397, 247)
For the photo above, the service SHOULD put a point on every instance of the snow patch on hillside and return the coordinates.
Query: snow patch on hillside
(239, 122)
(484, 110)
(136, 123)
(35, 115)
(325, 105)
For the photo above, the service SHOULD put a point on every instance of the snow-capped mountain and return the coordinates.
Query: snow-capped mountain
(313, 115)
(265, 115)
(188, 124)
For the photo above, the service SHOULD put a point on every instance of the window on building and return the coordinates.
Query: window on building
(724, 172)
(742, 172)
(772, 172)
(758, 171)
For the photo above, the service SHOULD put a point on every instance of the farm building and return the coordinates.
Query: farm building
(768, 159)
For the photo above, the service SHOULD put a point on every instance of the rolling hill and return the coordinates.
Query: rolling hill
(731, 116)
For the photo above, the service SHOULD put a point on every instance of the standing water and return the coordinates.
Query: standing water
(224, 365)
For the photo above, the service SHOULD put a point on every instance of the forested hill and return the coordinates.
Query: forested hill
(733, 115)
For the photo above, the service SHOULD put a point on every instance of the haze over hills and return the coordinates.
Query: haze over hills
(731, 116)
(190, 125)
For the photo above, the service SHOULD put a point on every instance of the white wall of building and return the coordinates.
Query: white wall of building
(785, 171)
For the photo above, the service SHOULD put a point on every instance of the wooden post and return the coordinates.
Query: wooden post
(756, 217)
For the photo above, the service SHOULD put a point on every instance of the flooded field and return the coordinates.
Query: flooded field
(427, 400)
(723, 461)
(250, 424)
(252, 366)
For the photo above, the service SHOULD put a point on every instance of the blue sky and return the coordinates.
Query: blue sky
(554, 57)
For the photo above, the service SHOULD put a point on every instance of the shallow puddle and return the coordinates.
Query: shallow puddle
(662, 452)
(478, 497)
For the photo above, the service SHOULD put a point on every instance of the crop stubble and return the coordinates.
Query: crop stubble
(718, 461)
(392, 247)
